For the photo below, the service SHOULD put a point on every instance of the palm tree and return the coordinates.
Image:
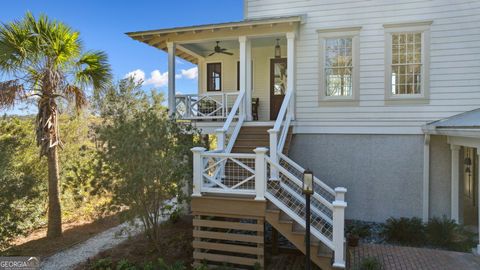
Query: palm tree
(43, 61)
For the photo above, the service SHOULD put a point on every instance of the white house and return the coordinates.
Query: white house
(379, 98)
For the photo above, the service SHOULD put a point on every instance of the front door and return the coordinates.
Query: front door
(278, 85)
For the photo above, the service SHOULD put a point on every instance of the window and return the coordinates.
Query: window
(339, 68)
(214, 76)
(406, 61)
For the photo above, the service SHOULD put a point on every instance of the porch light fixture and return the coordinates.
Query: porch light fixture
(308, 182)
(307, 187)
(278, 52)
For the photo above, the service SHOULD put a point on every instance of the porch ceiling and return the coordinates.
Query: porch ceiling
(211, 32)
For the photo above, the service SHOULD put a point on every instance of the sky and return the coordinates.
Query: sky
(103, 23)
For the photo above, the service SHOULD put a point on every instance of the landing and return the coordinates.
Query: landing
(406, 258)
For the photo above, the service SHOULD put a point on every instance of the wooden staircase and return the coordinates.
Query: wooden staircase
(251, 137)
(320, 254)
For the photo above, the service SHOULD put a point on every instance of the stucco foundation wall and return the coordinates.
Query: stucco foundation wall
(383, 173)
(440, 176)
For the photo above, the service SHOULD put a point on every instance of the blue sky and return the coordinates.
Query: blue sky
(102, 25)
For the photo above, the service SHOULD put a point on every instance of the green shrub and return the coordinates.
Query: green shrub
(359, 229)
(124, 264)
(102, 264)
(406, 231)
(446, 233)
(370, 263)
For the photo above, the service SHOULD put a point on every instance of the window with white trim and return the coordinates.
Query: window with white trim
(339, 64)
(406, 61)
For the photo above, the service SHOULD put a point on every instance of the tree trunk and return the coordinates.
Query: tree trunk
(54, 211)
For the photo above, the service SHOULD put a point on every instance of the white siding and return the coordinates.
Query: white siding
(454, 61)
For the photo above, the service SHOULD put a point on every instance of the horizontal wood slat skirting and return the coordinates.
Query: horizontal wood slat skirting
(228, 230)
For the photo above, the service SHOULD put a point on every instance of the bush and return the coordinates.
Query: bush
(406, 231)
(446, 233)
(370, 263)
(359, 229)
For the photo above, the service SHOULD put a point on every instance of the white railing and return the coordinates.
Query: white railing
(285, 191)
(205, 106)
(229, 173)
(225, 142)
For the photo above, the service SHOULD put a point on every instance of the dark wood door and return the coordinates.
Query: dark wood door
(278, 85)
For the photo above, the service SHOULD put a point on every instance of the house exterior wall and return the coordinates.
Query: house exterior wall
(382, 173)
(454, 62)
(261, 75)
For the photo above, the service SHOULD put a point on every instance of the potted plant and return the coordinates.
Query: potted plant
(356, 231)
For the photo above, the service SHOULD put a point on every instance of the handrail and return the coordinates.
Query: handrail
(234, 110)
(301, 169)
(283, 110)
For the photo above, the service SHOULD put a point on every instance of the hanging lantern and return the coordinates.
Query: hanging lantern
(278, 52)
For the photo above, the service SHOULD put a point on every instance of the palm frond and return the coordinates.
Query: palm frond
(76, 95)
(9, 92)
(93, 69)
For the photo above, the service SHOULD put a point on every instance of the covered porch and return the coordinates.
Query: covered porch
(239, 62)
(463, 136)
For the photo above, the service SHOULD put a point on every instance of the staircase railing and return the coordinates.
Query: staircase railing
(285, 191)
(236, 112)
(204, 106)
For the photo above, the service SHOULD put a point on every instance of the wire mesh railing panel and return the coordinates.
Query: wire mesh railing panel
(297, 171)
(229, 173)
(290, 194)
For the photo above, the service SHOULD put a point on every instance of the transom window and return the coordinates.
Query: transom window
(338, 67)
(406, 64)
(214, 76)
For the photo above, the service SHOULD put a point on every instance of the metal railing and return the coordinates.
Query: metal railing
(205, 106)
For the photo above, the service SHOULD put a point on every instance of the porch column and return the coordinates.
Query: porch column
(245, 72)
(171, 78)
(291, 71)
(455, 149)
(478, 201)
(426, 177)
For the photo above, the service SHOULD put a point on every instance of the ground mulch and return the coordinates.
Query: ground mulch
(175, 245)
(36, 243)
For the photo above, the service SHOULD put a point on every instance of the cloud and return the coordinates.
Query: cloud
(138, 75)
(157, 79)
(191, 73)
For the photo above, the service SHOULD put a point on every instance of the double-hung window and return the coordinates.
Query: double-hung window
(339, 64)
(406, 61)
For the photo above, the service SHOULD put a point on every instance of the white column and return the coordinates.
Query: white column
(260, 173)
(197, 170)
(171, 78)
(455, 149)
(248, 80)
(246, 108)
(338, 237)
(478, 186)
(273, 153)
(291, 71)
(426, 177)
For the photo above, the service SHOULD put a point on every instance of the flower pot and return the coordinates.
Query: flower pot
(353, 240)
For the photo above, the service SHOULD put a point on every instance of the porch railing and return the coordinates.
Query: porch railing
(204, 106)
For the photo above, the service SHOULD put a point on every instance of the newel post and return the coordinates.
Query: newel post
(197, 170)
(339, 206)
(273, 153)
(260, 172)
(220, 134)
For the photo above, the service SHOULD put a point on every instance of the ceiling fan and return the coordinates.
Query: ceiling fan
(218, 49)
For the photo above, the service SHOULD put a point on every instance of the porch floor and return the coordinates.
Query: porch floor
(406, 258)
